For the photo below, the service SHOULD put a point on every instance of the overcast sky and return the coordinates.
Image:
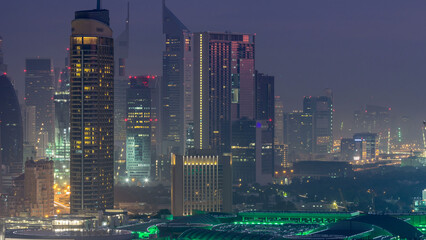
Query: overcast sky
(366, 51)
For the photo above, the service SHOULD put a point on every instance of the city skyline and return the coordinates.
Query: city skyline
(350, 37)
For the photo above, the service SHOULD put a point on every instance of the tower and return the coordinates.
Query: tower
(92, 111)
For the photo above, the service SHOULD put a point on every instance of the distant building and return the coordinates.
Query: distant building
(201, 182)
(39, 90)
(121, 83)
(177, 74)
(243, 151)
(347, 149)
(92, 112)
(321, 109)
(265, 151)
(365, 146)
(298, 134)
(11, 135)
(265, 97)
(140, 120)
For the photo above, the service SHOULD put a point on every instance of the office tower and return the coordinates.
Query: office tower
(265, 151)
(121, 83)
(62, 137)
(29, 119)
(321, 109)
(217, 86)
(176, 87)
(92, 112)
(375, 119)
(279, 121)
(3, 66)
(365, 146)
(243, 151)
(201, 181)
(11, 140)
(265, 102)
(347, 149)
(141, 122)
(39, 91)
(38, 188)
(298, 134)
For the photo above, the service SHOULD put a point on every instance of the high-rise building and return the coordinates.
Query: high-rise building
(141, 122)
(265, 151)
(201, 181)
(177, 83)
(3, 66)
(298, 134)
(243, 151)
(223, 77)
(62, 126)
(365, 146)
(279, 121)
(38, 188)
(265, 98)
(321, 109)
(121, 83)
(92, 111)
(39, 90)
(11, 136)
(347, 149)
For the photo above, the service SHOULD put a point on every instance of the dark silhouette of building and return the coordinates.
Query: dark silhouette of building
(298, 134)
(11, 140)
(92, 112)
(121, 83)
(265, 98)
(39, 90)
(243, 151)
(175, 74)
(347, 149)
(3, 66)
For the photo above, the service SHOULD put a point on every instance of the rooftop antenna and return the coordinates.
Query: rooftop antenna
(99, 5)
(128, 12)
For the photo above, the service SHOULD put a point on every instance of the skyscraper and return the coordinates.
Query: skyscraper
(140, 121)
(298, 134)
(265, 97)
(3, 66)
(11, 140)
(39, 90)
(121, 83)
(92, 111)
(243, 151)
(177, 74)
(321, 109)
(223, 76)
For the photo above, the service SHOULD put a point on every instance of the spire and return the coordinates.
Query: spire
(128, 15)
(99, 5)
(171, 24)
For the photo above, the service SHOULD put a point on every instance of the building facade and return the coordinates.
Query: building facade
(92, 112)
(201, 182)
(39, 90)
(11, 135)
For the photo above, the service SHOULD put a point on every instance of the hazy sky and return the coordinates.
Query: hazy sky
(366, 51)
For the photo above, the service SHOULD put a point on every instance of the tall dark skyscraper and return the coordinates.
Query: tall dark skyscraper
(121, 83)
(298, 134)
(3, 66)
(11, 140)
(243, 151)
(177, 77)
(92, 112)
(265, 98)
(39, 90)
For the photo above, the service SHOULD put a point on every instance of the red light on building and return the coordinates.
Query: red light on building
(5, 73)
(125, 120)
(25, 70)
(60, 80)
(130, 77)
(156, 119)
(270, 119)
(150, 120)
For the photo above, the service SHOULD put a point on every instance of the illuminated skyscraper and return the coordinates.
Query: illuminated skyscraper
(62, 126)
(11, 140)
(92, 112)
(223, 76)
(176, 87)
(39, 90)
(141, 122)
(121, 83)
